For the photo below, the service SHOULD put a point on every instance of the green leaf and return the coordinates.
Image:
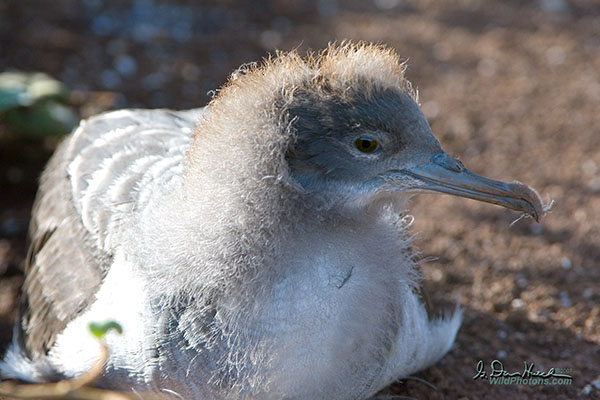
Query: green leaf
(99, 329)
(42, 119)
(36, 105)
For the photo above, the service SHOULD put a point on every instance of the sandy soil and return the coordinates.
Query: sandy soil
(510, 87)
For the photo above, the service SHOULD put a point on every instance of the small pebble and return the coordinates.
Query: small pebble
(102, 25)
(144, 32)
(153, 81)
(566, 263)
(270, 39)
(564, 299)
(522, 281)
(558, 7)
(110, 79)
(517, 303)
(536, 228)
(431, 109)
(126, 65)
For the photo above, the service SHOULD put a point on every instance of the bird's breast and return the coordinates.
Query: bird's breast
(335, 311)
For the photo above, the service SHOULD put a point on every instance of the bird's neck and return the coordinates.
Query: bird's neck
(219, 237)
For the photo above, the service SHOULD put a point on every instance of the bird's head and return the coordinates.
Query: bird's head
(356, 132)
(360, 134)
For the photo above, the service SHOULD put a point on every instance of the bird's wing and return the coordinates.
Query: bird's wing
(91, 182)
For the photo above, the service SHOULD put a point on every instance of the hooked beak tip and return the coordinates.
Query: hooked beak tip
(532, 199)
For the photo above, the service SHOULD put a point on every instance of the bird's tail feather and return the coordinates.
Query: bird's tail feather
(17, 365)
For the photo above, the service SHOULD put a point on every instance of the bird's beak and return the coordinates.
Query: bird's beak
(447, 175)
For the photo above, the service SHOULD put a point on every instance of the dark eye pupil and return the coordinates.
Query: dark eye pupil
(366, 145)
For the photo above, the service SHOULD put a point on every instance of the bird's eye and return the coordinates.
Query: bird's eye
(366, 145)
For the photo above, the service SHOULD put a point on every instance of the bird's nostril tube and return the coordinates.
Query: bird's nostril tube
(444, 160)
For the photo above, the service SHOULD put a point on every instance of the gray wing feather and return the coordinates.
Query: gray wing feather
(63, 269)
(98, 166)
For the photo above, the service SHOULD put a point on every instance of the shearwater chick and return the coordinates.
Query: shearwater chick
(252, 249)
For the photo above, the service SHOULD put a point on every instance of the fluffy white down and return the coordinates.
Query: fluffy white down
(121, 298)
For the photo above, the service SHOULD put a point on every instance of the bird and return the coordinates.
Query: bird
(256, 248)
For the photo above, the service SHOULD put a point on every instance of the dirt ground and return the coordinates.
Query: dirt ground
(510, 87)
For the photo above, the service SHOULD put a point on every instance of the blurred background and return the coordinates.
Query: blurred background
(511, 87)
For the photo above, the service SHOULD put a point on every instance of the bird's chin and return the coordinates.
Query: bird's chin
(373, 202)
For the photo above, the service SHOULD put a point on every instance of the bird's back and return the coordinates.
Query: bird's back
(98, 181)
